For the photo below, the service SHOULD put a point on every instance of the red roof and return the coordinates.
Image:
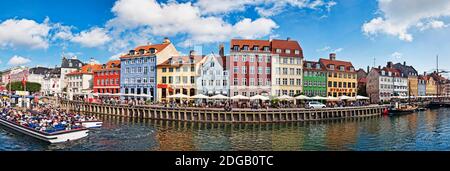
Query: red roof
(250, 43)
(287, 44)
(394, 71)
(313, 66)
(158, 47)
(362, 80)
(337, 64)
(87, 69)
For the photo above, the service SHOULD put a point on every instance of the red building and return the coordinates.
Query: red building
(107, 79)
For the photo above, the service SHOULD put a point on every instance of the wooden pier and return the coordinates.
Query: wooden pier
(220, 115)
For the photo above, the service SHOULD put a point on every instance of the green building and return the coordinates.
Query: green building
(314, 79)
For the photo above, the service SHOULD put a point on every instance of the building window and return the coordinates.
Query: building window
(285, 81)
(266, 48)
(245, 48)
(164, 80)
(288, 51)
(268, 70)
(297, 52)
(236, 69)
(235, 81)
(236, 58)
(252, 58)
(244, 69)
(252, 70)
(192, 80)
(163, 69)
(244, 58)
(252, 82)
(278, 50)
(244, 81)
(268, 59)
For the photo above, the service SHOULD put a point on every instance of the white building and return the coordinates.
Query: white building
(383, 84)
(213, 79)
(52, 82)
(68, 66)
(37, 74)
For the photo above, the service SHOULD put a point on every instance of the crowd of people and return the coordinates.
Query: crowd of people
(45, 119)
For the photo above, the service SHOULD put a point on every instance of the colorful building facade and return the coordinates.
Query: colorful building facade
(288, 67)
(421, 86)
(81, 81)
(213, 78)
(138, 70)
(107, 79)
(411, 73)
(314, 79)
(178, 75)
(250, 66)
(341, 77)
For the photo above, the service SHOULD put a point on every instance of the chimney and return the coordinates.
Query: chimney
(288, 39)
(389, 64)
(222, 50)
(368, 69)
(332, 56)
(404, 63)
(379, 67)
(166, 40)
(192, 53)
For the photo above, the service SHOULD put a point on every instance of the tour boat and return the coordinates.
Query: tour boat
(56, 137)
(403, 110)
(91, 124)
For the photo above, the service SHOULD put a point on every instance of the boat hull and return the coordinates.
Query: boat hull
(50, 138)
(92, 124)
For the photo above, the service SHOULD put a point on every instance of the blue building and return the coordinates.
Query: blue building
(138, 70)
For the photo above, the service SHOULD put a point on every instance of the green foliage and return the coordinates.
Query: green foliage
(31, 87)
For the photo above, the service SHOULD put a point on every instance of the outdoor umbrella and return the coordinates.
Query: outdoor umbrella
(240, 97)
(179, 96)
(331, 98)
(200, 96)
(285, 97)
(345, 98)
(219, 97)
(362, 98)
(302, 97)
(259, 97)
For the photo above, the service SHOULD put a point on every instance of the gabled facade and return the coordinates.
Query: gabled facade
(213, 78)
(107, 79)
(138, 70)
(341, 78)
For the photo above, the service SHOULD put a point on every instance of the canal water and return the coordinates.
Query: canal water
(422, 131)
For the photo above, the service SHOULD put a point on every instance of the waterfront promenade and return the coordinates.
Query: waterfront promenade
(217, 115)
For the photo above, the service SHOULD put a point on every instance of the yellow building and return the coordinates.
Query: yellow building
(178, 75)
(288, 66)
(342, 79)
(430, 86)
(413, 83)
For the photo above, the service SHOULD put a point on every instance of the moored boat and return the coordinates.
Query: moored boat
(91, 124)
(54, 137)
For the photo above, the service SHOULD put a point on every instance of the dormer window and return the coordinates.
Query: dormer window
(266, 49)
(317, 66)
(236, 48)
(288, 51)
(278, 51)
(297, 52)
(131, 52)
(341, 68)
(246, 48)
(152, 50)
(352, 69)
(141, 51)
(180, 61)
(308, 65)
(256, 48)
(331, 67)
(390, 73)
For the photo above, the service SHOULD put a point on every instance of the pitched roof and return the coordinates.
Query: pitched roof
(157, 47)
(395, 72)
(250, 43)
(110, 65)
(337, 64)
(292, 45)
(71, 63)
(313, 66)
(173, 61)
(87, 69)
(39, 70)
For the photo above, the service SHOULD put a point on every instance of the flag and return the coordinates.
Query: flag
(24, 80)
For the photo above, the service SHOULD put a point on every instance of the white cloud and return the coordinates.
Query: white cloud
(24, 33)
(432, 24)
(92, 38)
(326, 48)
(330, 50)
(264, 8)
(397, 55)
(18, 60)
(185, 19)
(400, 16)
(337, 50)
(116, 56)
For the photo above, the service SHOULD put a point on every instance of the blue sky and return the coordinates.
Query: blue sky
(38, 32)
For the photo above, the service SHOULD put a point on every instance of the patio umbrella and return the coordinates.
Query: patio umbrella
(344, 97)
(331, 98)
(240, 97)
(302, 97)
(285, 97)
(200, 96)
(219, 97)
(318, 98)
(259, 97)
(179, 96)
(362, 98)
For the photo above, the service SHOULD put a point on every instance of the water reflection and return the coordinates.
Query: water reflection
(429, 130)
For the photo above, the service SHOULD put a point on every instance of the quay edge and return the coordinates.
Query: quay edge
(221, 116)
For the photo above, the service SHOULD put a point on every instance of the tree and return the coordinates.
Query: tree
(31, 87)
